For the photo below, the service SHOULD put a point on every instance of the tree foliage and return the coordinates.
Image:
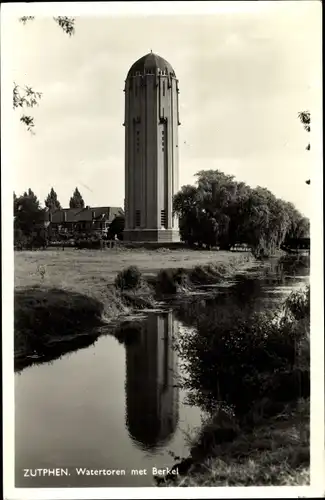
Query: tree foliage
(304, 117)
(76, 201)
(116, 227)
(28, 215)
(52, 202)
(25, 96)
(219, 211)
(236, 357)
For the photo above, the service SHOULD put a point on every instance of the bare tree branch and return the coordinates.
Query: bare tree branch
(24, 19)
(26, 97)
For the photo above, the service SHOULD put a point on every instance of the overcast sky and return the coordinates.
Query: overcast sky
(243, 77)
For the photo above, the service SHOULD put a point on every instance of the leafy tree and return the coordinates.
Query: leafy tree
(15, 202)
(27, 212)
(76, 201)
(25, 96)
(221, 211)
(52, 202)
(116, 227)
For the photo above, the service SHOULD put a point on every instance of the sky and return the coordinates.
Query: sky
(244, 74)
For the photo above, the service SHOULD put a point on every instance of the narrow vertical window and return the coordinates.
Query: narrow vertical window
(138, 141)
(137, 218)
(164, 88)
(163, 218)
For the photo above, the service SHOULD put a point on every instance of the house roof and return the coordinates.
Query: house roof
(86, 214)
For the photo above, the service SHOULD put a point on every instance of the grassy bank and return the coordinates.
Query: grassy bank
(274, 453)
(61, 297)
(83, 270)
(250, 374)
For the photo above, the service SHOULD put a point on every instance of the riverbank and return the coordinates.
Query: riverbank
(274, 453)
(61, 298)
(251, 375)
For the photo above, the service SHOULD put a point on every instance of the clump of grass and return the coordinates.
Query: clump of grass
(133, 290)
(170, 281)
(207, 274)
(129, 279)
(141, 298)
(114, 305)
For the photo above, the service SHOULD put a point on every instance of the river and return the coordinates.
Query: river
(117, 406)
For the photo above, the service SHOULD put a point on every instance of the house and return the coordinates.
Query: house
(83, 220)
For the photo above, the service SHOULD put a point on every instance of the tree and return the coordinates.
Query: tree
(221, 211)
(15, 202)
(25, 96)
(76, 201)
(27, 212)
(116, 227)
(52, 202)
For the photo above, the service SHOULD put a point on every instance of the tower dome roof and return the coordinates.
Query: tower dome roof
(151, 62)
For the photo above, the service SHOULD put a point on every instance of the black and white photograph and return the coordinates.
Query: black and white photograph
(162, 182)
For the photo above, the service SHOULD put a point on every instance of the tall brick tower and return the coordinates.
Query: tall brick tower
(151, 150)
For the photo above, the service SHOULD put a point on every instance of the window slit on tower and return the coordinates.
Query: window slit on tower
(137, 218)
(163, 218)
(164, 88)
(138, 141)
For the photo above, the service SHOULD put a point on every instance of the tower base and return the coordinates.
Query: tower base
(151, 235)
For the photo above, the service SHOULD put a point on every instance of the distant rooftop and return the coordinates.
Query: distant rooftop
(86, 214)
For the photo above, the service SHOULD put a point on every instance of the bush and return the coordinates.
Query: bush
(298, 304)
(129, 279)
(238, 358)
(169, 280)
(24, 241)
(90, 243)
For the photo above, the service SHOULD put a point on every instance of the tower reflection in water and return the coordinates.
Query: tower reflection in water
(151, 378)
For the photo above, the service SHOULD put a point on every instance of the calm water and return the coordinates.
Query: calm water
(118, 405)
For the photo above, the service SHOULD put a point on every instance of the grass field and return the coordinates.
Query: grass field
(89, 270)
(62, 295)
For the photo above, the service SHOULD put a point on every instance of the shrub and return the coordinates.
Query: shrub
(169, 280)
(90, 243)
(298, 304)
(128, 279)
(238, 358)
(29, 241)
